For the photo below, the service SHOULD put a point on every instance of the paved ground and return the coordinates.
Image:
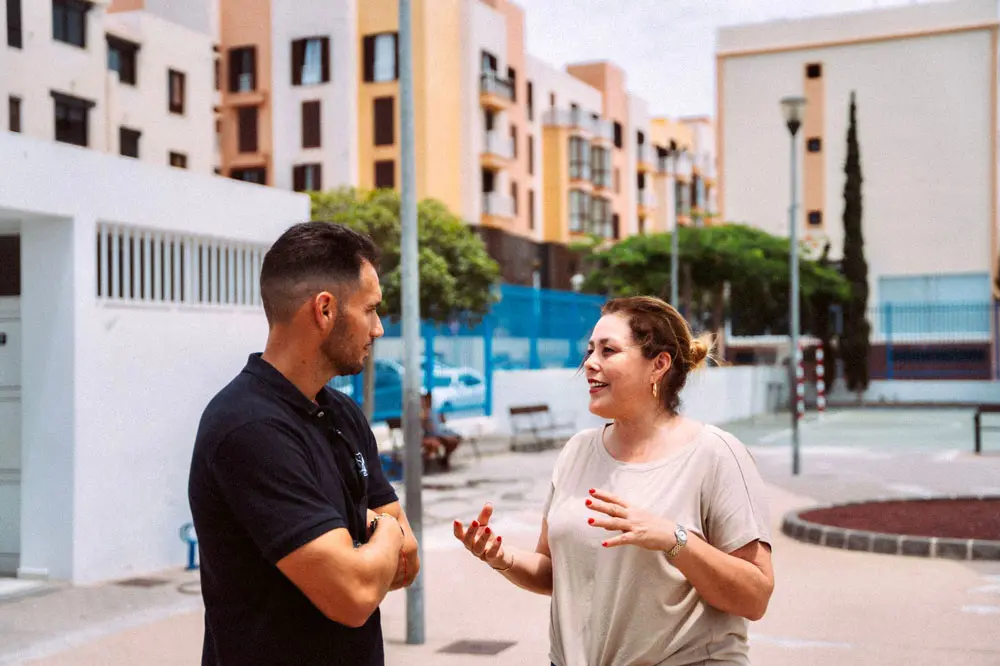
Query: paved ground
(830, 607)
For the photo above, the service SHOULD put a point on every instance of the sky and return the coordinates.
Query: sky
(666, 47)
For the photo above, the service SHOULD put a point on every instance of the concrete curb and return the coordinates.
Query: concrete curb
(890, 544)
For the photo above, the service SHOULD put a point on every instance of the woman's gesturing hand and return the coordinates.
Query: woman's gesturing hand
(480, 540)
(637, 526)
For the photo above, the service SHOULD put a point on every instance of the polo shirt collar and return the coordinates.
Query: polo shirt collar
(286, 390)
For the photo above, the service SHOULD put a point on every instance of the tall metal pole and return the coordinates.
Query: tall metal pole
(675, 245)
(413, 466)
(793, 305)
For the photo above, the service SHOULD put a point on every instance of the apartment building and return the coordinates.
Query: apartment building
(130, 77)
(925, 81)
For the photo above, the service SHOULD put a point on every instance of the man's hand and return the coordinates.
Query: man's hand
(409, 562)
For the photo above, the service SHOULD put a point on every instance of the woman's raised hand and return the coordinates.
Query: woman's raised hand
(480, 540)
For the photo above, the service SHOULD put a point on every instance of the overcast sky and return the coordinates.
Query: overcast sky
(666, 47)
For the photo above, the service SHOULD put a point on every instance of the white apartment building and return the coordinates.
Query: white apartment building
(925, 81)
(131, 78)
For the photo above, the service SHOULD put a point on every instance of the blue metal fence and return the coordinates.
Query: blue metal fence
(526, 329)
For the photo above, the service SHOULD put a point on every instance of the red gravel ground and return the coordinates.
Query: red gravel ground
(955, 519)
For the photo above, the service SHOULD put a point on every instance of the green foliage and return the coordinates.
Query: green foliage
(855, 345)
(456, 273)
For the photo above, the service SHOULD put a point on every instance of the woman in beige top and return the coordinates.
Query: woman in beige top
(654, 543)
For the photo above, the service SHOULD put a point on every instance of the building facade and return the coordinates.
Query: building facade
(925, 81)
(132, 78)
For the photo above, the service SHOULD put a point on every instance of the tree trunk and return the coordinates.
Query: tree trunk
(368, 386)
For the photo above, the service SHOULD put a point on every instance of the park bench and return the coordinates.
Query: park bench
(978, 423)
(538, 425)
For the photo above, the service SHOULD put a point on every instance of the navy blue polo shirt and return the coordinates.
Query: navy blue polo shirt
(271, 471)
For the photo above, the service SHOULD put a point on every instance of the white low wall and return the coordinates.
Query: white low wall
(925, 391)
(713, 395)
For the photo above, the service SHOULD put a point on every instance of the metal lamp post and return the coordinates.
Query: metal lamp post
(793, 109)
(682, 167)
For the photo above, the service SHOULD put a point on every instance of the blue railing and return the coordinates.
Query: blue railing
(526, 329)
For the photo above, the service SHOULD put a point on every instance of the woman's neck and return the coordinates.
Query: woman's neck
(641, 437)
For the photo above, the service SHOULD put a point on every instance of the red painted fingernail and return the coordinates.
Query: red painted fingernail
(588, 502)
(499, 539)
(475, 523)
(592, 491)
(590, 520)
(604, 543)
(487, 530)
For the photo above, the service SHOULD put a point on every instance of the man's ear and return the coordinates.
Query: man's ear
(325, 309)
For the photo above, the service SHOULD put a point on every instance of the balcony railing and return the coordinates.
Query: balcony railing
(499, 145)
(579, 119)
(646, 199)
(491, 83)
(497, 205)
(579, 170)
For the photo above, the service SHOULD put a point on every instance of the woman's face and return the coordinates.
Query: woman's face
(619, 376)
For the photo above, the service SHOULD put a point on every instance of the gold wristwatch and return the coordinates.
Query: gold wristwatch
(682, 538)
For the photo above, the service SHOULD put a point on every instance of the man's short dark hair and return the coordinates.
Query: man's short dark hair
(308, 258)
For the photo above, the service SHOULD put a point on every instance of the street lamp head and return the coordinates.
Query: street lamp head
(793, 108)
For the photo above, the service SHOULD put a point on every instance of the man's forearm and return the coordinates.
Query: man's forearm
(380, 562)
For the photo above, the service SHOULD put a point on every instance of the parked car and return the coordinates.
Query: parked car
(458, 389)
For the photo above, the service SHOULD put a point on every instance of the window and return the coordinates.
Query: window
(256, 175)
(600, 217)
(381, 57)
(121, 58)
(815, 217)
(615, 226)
(814, 70)
(10, 265)
(640, 181)
(618, 135)
(175, 90)
(243, 69)
(15, 38)
(246, 120)
(814, 145)
(310, 61)
(311, 132)
(128, 142)
(488, 181)
(71, 118)
(531, 209)
(488, 63)
(531, 155)
(385, 121)
(531, 101)
(513, 196)
(618, 180)
(552, 100)
(218, 74)
(512, 78)
(14, 113)
(579, 158)
(385, 174)
(579, 210)
(307, 178)
(600, 166)
(178, 160)
(513, 140)
(640, 138)
(69, 22)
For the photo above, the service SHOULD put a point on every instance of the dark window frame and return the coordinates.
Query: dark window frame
(579, 158)
(15, 27)
(814, 70)
(71, 105)
(531, 100)
(247, 129)
(383, 130)
(14, 113)
(619, 135)
(312, 124)
(127, 138)
(260, 172)
(385, 174)
(242, 60)
(530, 147)
(814, 144)
(128, 59)
(299, 60)
(531, 209)
(815, 218)
(299, 173)
(62, 12)
(175, 75)
(368, 56)
(181, 159)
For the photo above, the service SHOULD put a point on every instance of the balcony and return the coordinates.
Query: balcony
(498, 151)
(495, 92)
(581, 120)
(579, 175)
(645, 202)
(497, 208)
(644, 158)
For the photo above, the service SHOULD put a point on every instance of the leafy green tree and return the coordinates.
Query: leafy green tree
(855, 346)
(457, 275)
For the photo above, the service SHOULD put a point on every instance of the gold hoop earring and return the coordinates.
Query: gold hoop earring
(656, 391)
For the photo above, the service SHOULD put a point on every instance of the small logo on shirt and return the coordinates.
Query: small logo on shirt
(362, 468)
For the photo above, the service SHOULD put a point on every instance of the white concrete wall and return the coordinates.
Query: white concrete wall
(112, 392)
(714, 395)
(296, 19)
(31, 73)
(925, 391)
(924, 122)
(192, 14)
(145, 106)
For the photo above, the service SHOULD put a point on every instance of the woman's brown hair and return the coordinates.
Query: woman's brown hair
(658, 327)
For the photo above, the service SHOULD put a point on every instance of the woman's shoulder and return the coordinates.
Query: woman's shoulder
(722, 443)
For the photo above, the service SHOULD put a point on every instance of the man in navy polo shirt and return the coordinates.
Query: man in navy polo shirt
(285, 477)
